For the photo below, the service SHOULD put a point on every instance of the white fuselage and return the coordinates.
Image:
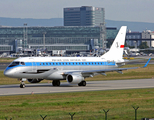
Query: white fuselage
(52, 68)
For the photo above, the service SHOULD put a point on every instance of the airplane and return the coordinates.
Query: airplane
(72, 69)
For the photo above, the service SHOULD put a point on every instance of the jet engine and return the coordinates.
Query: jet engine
(34, 80)
(74, 78)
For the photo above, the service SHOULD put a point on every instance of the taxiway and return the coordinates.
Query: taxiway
(66, 87)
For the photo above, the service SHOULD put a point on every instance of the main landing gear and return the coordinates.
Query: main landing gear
(82, 83)
(56, 82)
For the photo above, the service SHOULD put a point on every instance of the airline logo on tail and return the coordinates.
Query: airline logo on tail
(121, 46)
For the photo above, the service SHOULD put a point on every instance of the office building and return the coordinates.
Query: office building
(84, 16)
(148, 34)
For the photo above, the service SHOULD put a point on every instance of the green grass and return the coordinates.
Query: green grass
(7, 60)
(85, 105)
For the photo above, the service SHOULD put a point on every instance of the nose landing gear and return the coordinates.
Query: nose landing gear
(22, 85)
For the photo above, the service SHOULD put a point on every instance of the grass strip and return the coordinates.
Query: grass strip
(85, 105)
(7, 60)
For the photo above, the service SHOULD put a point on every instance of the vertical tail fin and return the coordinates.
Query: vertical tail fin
(116, 50)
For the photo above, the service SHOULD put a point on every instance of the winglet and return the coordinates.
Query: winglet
(146, 63)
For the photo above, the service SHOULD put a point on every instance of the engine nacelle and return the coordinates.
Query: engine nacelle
(34, 80)
(74, 78)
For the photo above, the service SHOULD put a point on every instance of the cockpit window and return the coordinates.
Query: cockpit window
(22, 63)
(16, 63)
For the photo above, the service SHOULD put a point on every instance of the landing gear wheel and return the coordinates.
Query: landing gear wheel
(56, 82)
(79, 84)
(82, 83)
(22, 85)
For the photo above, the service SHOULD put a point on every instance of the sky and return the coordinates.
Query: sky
(119, 10)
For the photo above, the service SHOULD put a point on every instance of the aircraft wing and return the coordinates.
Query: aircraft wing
(107, 70)
(119, 70)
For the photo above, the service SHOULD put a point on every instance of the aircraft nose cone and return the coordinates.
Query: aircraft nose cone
(7, 73)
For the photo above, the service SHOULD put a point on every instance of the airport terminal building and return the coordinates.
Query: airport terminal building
(69, 38)
(84, 30)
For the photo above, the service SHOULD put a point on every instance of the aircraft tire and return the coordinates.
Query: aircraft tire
(56, 82)
(82, 83)
(79, 84)
(22, 85)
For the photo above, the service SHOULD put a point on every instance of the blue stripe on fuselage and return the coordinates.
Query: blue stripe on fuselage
(74, 63)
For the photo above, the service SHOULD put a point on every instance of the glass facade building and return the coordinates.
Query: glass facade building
(84, 16)
(56, 38)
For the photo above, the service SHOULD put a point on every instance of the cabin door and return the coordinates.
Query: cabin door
(34, 66)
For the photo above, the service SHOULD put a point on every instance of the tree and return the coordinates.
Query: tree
(143, 45)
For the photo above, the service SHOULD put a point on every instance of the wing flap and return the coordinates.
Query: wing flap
(107, 70)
